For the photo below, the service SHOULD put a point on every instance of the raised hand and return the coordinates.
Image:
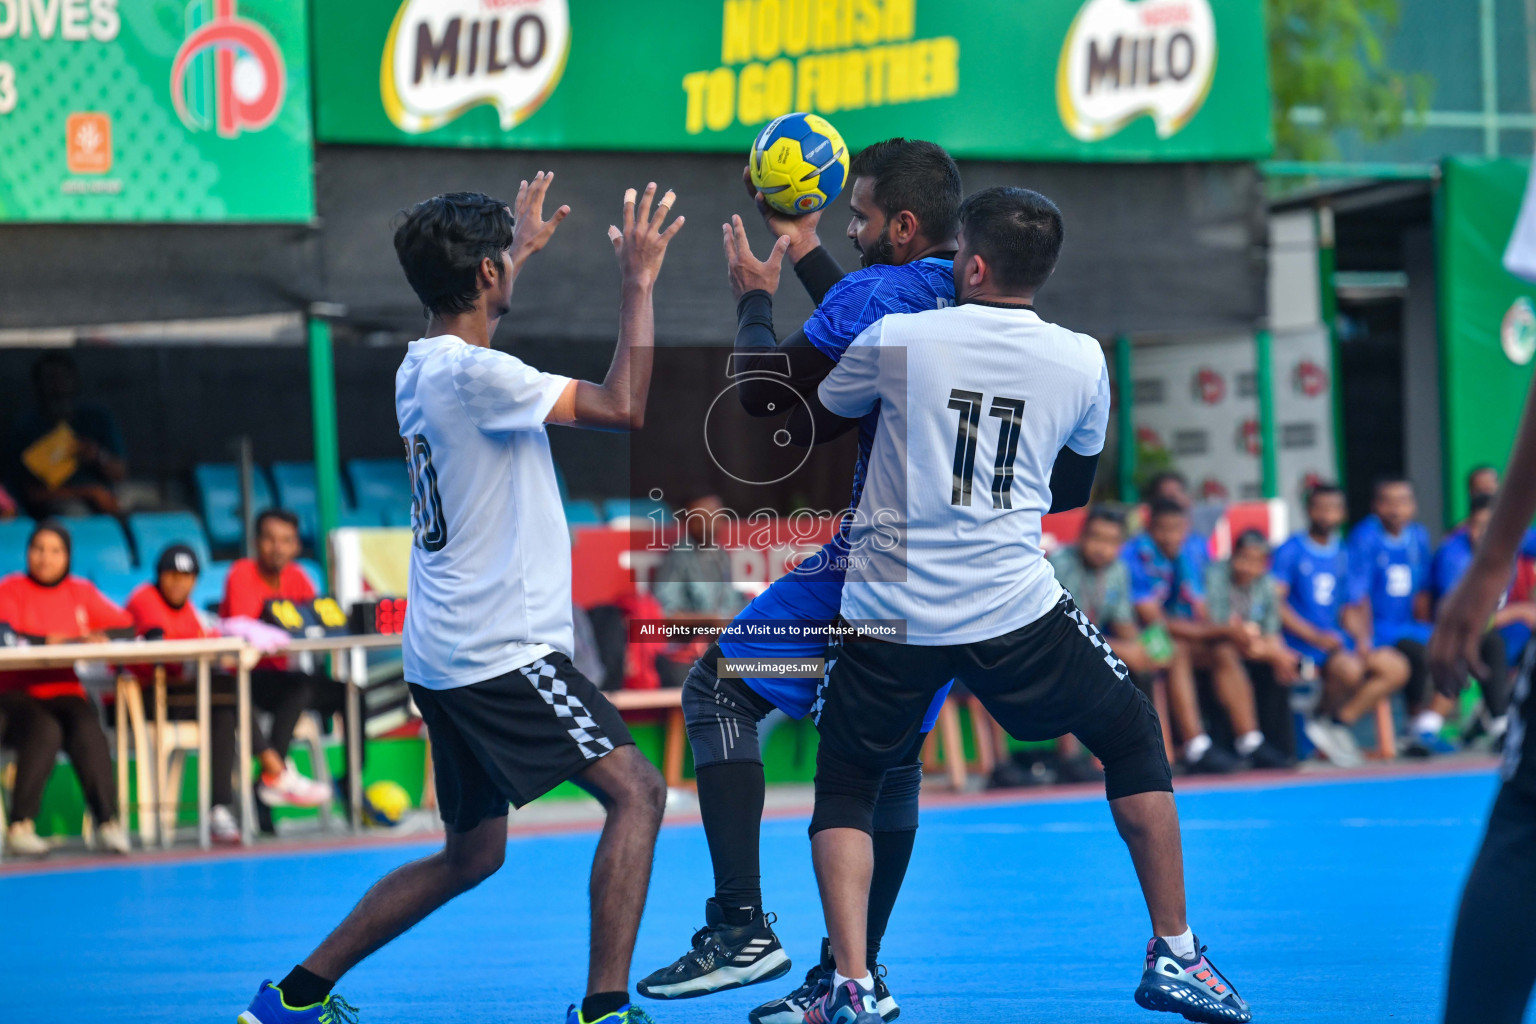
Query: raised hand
(531, 232)
(1463, 618)
(747, 272)
(641, 244)
(800, 230)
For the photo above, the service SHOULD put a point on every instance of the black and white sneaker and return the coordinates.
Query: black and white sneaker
(791, 1009)
(723, 957)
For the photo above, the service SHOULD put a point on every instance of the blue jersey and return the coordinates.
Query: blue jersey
(860, 299)
(1391, 572)
(1178, 584)
(811, 594)
(1316, 576)
(1452, 560)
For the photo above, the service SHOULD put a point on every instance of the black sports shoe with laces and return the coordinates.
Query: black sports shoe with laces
(791, 1009)
(722, 957)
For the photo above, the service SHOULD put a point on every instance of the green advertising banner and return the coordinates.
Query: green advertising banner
(1487, 319)
(1007, 79)
(155, 110)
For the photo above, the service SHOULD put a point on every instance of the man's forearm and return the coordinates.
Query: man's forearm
(622, 395)
(767, 364)
(818, 270)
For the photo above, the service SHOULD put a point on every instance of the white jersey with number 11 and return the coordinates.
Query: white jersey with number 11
(975, 403)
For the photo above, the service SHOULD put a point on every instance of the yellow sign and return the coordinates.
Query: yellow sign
(51, 458)
(777, 56)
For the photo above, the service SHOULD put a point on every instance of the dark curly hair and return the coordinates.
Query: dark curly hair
(441, 241)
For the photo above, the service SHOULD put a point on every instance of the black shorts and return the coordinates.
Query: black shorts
(514, 738)
(1055, 676)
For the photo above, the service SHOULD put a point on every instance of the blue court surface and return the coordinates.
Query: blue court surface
(1323, 901)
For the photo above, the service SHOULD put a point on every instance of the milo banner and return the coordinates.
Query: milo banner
(155, 110)
(1047, 79)
(1487, 317)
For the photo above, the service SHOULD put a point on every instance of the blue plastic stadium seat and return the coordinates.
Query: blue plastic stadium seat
(381, 487)
(97, 545)
(295, 482)
(218, 489)
(118, 586)
(579, 512)
(398, 516)
(316, 575)
(633, 508)
(209, 591)
(370, 517)
(153, 532)
(13, 544)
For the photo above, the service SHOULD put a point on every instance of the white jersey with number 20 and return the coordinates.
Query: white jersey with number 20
(490, 582)
(975, 402)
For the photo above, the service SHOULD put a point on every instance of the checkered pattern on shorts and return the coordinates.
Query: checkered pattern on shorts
(1086, 627)
(586, 732)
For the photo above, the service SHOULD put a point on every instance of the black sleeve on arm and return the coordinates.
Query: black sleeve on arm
(818, 270)
(813, 423)
(766, 362)
(1072, 480)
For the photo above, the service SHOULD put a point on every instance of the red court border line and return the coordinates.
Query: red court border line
(1077, 793)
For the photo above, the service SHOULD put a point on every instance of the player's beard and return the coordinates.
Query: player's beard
(882, 253)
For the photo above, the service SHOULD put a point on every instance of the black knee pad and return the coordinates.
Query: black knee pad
(845, 795)
(722, 717)
(896, 807)
(1129, 741)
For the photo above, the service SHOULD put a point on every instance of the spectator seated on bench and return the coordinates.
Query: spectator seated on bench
(45, 710)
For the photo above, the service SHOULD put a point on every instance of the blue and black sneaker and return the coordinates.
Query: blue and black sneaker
(626, 1014)
(269, 1008)
(848, 1003)
(1191, 986)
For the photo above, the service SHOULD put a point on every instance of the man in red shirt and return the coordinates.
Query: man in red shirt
(163, 610)
(275, 687)
(43, 710)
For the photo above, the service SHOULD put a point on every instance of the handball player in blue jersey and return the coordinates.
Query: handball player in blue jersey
(1311, 572)
(1389, 592)
(904, 203)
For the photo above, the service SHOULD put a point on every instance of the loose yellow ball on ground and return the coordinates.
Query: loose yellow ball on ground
(386, 802)
(799, 163)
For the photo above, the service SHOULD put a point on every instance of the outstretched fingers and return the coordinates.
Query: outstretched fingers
(629, 210)
(662, 209)
(643, 210)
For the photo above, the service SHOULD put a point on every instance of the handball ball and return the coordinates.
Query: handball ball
(799, 163)
(385, 803)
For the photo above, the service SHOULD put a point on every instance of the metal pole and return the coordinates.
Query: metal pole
(204, 769)
(1490, 67)
(322, 395)
(1126, 422)
(1328, 303)
(1530, 50)
(248, 494)
(243, 723)
(1263, 358)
